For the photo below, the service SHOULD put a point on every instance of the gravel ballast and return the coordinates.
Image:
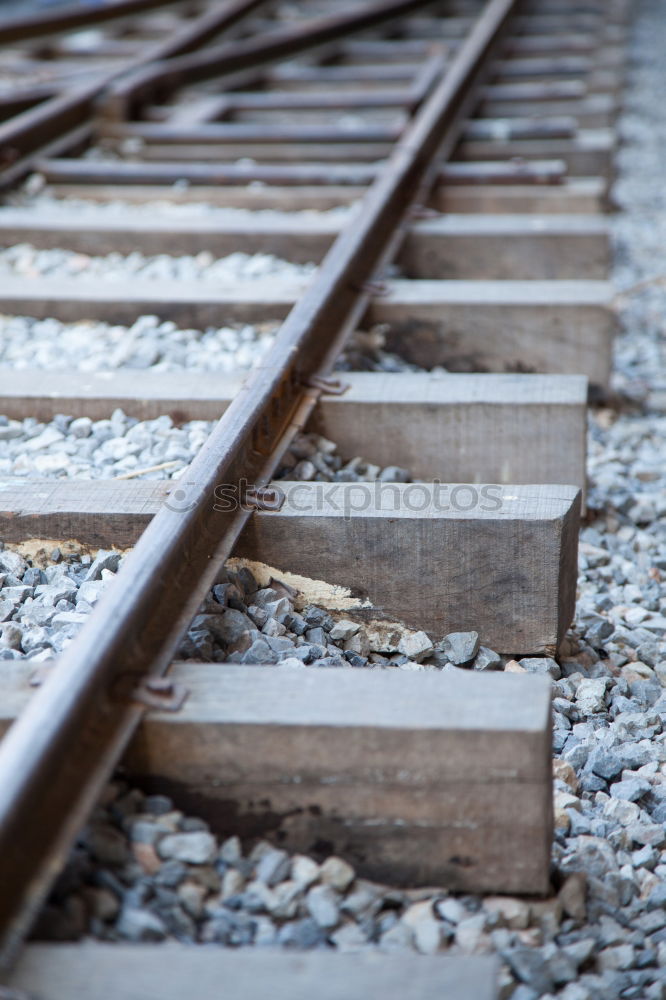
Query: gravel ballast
(30, 198)
(26, 261)
(46, 597)
(157, 345)
(149, 344)
(244, 621)
(81, 448)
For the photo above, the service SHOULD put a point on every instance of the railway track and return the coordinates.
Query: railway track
(446, 167)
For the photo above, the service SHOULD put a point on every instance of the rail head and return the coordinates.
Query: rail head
(72, 17)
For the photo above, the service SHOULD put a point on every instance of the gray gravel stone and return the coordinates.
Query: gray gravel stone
(417, 646)
(635, 755)
(657, 899)
(273, 867)
(460, 647)
(605, 763)
(11, 636)
(591, 695)
(395, 474)
(343, 630)
(12, 562)
(487, 659)
(531, 968)
(259, 652)
(140, 925)
(632, 789)
(103, 560)
(541, 665)
(301, 934)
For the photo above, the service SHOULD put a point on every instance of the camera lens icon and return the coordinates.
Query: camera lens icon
(181, 500)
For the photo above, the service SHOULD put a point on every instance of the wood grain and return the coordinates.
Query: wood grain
(509, 573)
(418, 779)
(97, 513)
(577, 195)
(496, 326)
(590, 154)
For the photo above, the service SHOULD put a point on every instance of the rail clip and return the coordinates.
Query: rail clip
(423, 212)
(378, 289)
(161, 693)
(264, 498)
(333, 386)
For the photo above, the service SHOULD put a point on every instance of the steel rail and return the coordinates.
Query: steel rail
(219, 134)
(23, 135)
(31, 129)
(124, 98)
(71, 18)
(55, 759)
(70, 171)
(21, 99)
(210, 133)
(19, 29)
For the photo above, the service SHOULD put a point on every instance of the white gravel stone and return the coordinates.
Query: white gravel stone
(344, 630)
(428, 936)
(233, 883)
(304, 870)
(350, 938)
(450, 909)
(196, 848)
(337, 873)
(323, 906)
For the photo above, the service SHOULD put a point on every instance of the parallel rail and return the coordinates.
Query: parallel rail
(60, 118)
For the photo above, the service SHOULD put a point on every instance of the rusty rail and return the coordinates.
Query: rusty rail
(55, 759)
(19, 29)
(227, 59)
(70, 171)
(31, 129)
